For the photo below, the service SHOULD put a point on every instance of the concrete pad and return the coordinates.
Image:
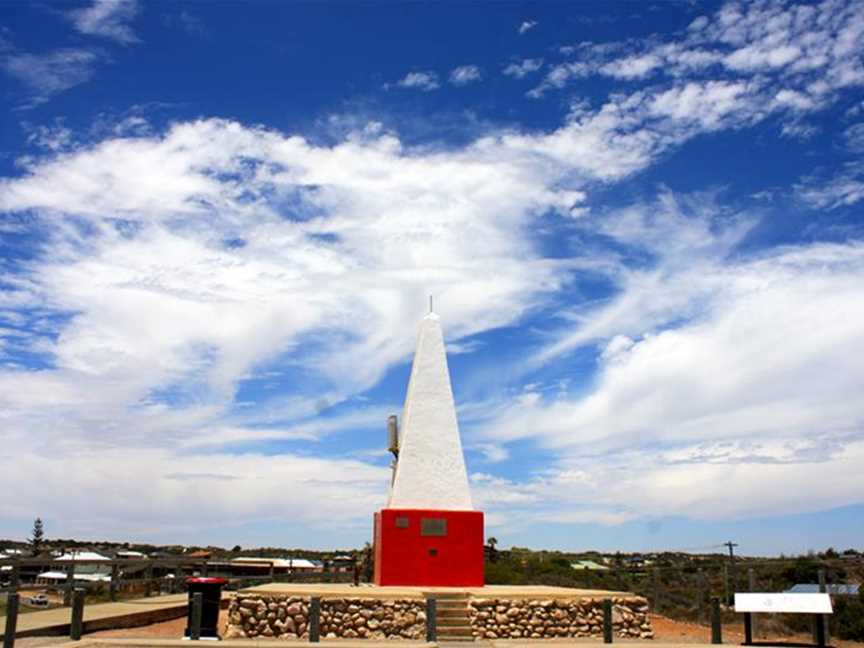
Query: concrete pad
(342, 590)
(103, 616)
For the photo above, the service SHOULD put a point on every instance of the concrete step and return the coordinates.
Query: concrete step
(451, 619)
(452, 623)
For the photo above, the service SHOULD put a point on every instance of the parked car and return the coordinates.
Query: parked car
(38, 600)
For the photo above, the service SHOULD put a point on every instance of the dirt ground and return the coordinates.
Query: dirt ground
(165, 630)
(665, 630)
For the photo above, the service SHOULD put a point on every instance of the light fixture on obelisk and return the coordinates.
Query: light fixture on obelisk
(429, 533)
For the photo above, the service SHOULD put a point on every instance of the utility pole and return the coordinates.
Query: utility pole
(730, 591)
(731, 546)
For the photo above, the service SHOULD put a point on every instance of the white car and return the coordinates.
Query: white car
(38, 600)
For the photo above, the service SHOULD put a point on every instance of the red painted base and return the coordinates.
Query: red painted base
(426, 547)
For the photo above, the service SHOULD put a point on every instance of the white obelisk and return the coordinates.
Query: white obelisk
(430, 472)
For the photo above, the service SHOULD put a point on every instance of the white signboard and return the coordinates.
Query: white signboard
(786, 602)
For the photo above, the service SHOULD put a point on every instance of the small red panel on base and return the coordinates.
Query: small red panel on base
(427, 547)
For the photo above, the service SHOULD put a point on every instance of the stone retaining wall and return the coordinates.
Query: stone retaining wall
(539, 619)
(287, 617)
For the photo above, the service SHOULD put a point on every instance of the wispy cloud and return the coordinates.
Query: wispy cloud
(854, 138)
(526, 26)
(841, 188)
(47, 74)
(693, 386)
(107, 19)
(52, 138)
(425, 81)
(179, 265)
(188, 22)
(523, 68)
(465, 74)
(801, 49)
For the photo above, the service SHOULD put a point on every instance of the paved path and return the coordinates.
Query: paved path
(366, 643)
(100, 616)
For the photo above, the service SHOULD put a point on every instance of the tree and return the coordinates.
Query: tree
(38, 536)
(236, 549)
(491, 552)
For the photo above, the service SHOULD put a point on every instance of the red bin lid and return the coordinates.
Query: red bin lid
(206, 581)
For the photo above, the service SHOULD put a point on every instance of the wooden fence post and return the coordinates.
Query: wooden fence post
(148, 575)
(431, 621)
(607, 621)
(823, 633)
(115, 578)
(16, 575)
(70, 584)
(76, 625)
(11, 620)
(716, 622)
(315, 619)
(751, 586)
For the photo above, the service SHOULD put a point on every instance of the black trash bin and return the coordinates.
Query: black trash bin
(211, 590)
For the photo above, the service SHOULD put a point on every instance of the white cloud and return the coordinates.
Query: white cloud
(800, 54)
(720, 377)
(634, 67)
(523, 68)
(158, 320)
(425, 81)
(179, 264)
(526, 26)
(559, 76)
(843, 188)
(188, 22)
(854, 136)
(147, 493)
(53, 138)
(465, 74)
(50, 73)
(107, 19)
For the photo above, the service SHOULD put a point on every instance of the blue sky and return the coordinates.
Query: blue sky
(642, 226)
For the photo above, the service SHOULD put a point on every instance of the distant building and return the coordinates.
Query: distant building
(202, 554)
(637, 561)
(87, 572)
(343, 563)
(130, 555)
(261, 566)
(589, 565)
(834, 589)
(289, 565)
